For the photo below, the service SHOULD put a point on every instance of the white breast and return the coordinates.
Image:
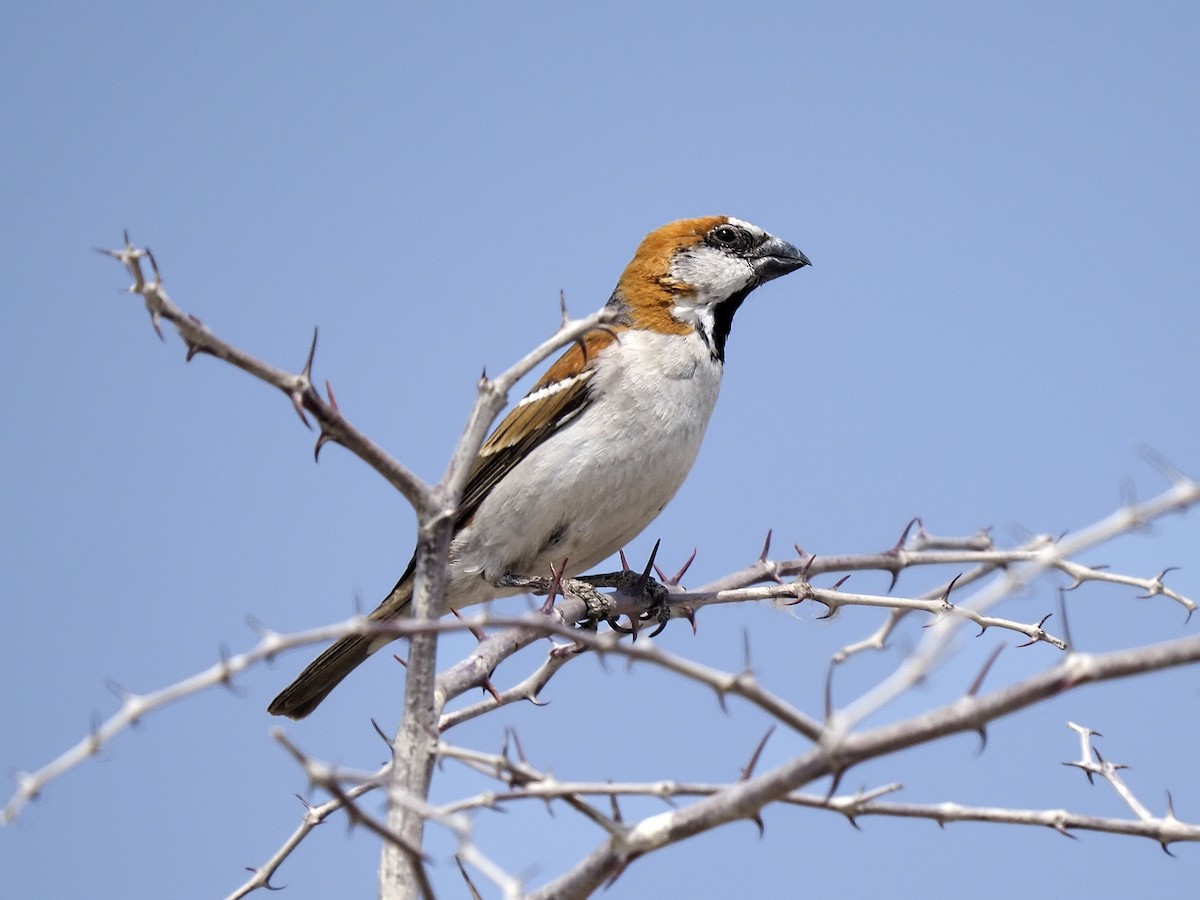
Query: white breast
(595, 485)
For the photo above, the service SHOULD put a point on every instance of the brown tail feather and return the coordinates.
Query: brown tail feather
(321, 676)
(326, 672)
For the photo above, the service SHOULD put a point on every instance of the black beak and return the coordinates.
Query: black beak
(774, 257)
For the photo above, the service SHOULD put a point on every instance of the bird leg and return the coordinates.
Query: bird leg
(600, 606)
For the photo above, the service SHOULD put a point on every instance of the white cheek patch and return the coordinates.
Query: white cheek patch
(713, 275)
(553, 388)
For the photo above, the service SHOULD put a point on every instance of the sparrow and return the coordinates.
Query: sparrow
(600, 444)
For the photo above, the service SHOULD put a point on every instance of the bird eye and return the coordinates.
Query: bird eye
(731, 237)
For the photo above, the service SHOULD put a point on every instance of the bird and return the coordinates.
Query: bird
(602, 441)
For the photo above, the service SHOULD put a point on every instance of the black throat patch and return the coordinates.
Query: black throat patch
(723, 314)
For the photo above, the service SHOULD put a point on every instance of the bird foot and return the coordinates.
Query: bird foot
(635, 585)
(601, 607)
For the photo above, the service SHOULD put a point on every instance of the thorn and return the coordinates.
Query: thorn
(683, 571)
(298, 405)
(805, 591)
(517, 744)
(690, 615)
(154, 265)
(1160, 462)
(308, 363)
(581, 342)
(610, 331)
(1082, 766)
(268, 886)
(400, 659)
(562, 305)
(915, 520)
(829, 693)
(640, 587)
(620, 869)
(1156, 584)
(840, 582)
(94, 743)
(1128, 493)
(226, 673)
(616, 809)
(624, 561)
(120, 692)
(762, 557)
(745, 650)
(332, 399)
(749, 770)
(987, 665)
(836, 782)
(476, 632)
(1066, 625)
(950, 587)
(982, 732)
(808, 566)
(1166, 849)
(894, 551)
(1114, 766)
(383, 737)
(467, 878)
(487, 685)
(1035, 639)
(757, 820)
(555, 587)
(322, 439)
(258, 627)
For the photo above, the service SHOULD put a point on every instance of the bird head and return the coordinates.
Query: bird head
(693, 274)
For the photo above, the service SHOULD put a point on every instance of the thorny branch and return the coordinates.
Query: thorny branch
(525, 782)
(435, 506)
(470, 672)
(836, 740)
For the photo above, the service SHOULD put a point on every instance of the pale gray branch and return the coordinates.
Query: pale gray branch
(745, 799)
(1181, 495)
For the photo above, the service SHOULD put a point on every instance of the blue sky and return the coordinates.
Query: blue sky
(1001, 204)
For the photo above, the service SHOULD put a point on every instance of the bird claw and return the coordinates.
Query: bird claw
(576, 646)
(633, 584)
(601, 607)
(661, 613)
